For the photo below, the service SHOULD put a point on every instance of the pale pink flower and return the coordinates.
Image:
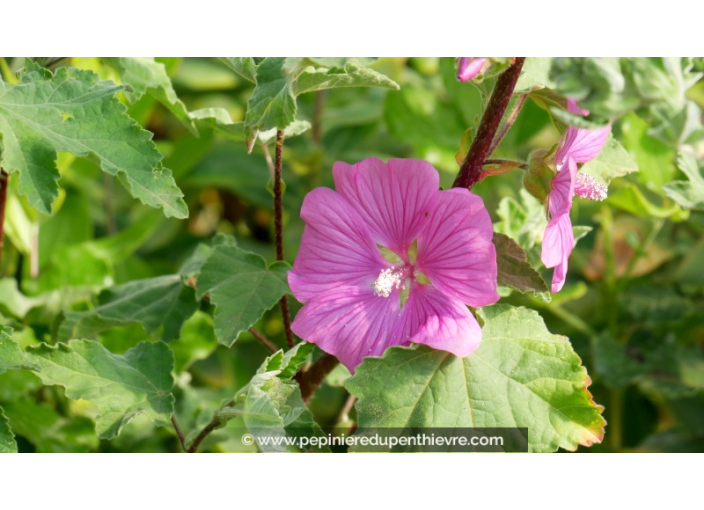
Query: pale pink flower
(388, 259)
(577, 146)
(470, 67)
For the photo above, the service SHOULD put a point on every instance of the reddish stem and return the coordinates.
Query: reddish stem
(312, 378)
(278, 227)
(471, 168)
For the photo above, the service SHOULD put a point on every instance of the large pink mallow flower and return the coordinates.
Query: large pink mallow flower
(388, 259)
(470, 67)
(577, 146)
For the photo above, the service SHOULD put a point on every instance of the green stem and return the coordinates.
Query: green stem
(179, 433)
(512, 162)
(610, 291)
(568, 318)
(640, 250)
(4, 184)
(616, 420)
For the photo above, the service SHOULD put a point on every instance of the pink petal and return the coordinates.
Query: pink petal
(572, 107)
(431, 318)
(582, 145)
(392, 198)
(349, 323)
(558, 243)
(470, 67)
(562, 193)
(559, 276)
(336, 248)
(455, 250)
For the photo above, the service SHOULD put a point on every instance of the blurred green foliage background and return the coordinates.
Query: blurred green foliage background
(632, 306)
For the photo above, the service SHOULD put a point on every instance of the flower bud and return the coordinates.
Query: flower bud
(541, 172)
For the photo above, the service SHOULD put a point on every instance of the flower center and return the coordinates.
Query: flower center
(388, 280)
(587, 187)
(403, 275)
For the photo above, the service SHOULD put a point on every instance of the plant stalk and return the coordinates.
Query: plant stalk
(4, 183)
(264, 340)
(179, 433)
(509, 122)
(471, 168)
(278, 227)
(311, 379)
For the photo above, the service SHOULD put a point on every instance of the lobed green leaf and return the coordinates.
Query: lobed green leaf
(241, 287)
(521, 376)
(73, 111)
(158, 304)
(121, 386)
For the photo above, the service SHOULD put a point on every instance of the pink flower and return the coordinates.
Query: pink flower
(470, 67)
(577, 146)
(388, 259)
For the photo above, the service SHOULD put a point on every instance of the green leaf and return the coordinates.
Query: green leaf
(293, 62)
(338, 376)
(241, 287)
(422, 118)
(155, 303)
(243, 66)
(580, 231)
(16, 384)
(655, 87)
(11, 355)
(297, 127)
(515, 271)
(534, 75)
(280, 80)
(290, 363)
(122, 245)
(18, 225)
(121, 386)
(220, 120)
(274, 408)
(192, 265)
(521, 376)
(73, 111)
(351, 75)
(48, 431)
(615, 366)
(690, 193)
(523, 221)
(91, 263)
(41, 309)
(197, 342)
(7, 438)
(273, 104)
(270, 405)
(613, 161)
(563, 116)
(669, 369)
(630, 198)
(655, 159)
(144, 75)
